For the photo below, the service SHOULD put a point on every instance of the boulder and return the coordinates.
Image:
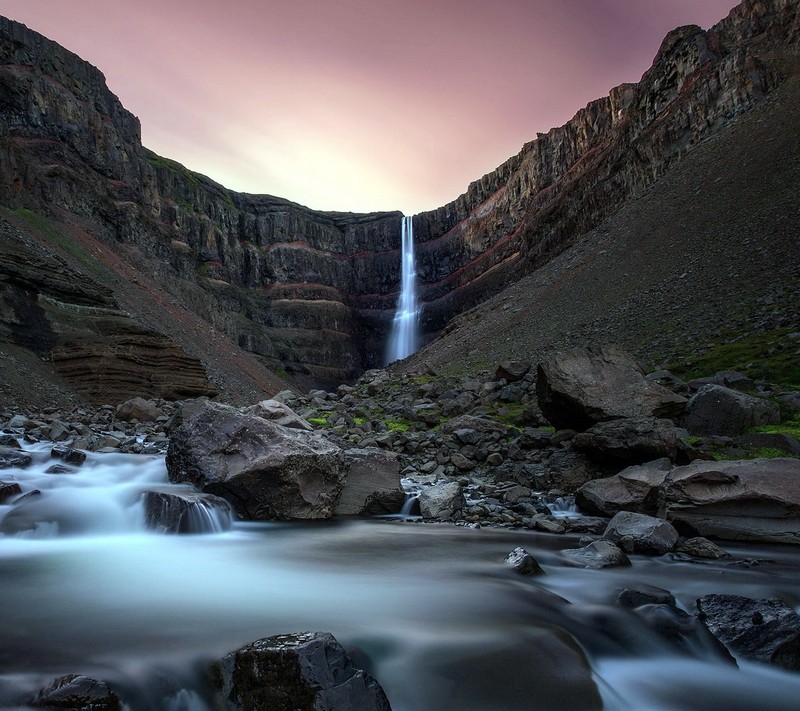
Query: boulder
(13, 457)
(441, 501)
(512, 370)
(77, 693)
(372, 483)
(644, 595)
(759, 630)
(68, 454)
(522, 562)
(631, 440)
(639, 533)
(7, 440)
(633, 489)
(9, 489)
(186, 512)
(265, 470)
(279, 413)
(598, 554)
(751, 499)
(717, 410)
(309, 671)
(581, 388)
(137, 408)
(791, 401)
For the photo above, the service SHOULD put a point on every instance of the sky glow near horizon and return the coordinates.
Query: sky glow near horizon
(358, 105)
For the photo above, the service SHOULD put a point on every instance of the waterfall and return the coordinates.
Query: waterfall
(404, 337)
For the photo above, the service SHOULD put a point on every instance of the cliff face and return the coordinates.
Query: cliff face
(312, 293)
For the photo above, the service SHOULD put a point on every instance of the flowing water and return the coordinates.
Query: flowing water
(429, 609)
(404, 339)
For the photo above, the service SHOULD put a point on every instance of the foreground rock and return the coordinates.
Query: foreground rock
(186, 512)
(639, 533)
(372, 483)
(599, 554)
(717, 410)
(303, 672)
(631, 440)
(77, 693)
(752, 500)
(581, 388)
(522, 562)
(758, 630)
(265, 470)
(441, 501)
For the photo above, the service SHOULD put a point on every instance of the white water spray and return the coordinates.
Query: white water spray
(404, 338)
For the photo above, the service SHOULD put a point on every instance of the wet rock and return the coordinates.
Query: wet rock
(9, 489)
(371, 484)
(13, 457)
(633, 489)
(137, 408)
(265, 470)
(522, 562)
(7, 440)
(632, 440)
(77, 693)
(717, 410)
(753, 500)
(596, 555)
(639, 533)
(69, 455)
(581, 388)
(759, 630)
(280, 413)
(441, 501)
(682, 631)
(186, 512)
(645, 595)
(699, 547)
(303, 672)
(59, 469)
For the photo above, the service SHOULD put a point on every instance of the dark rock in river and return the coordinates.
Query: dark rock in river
(13, 457)
(599, 554)
(302, 672)
(717, 410)
(265, 470)
(372, 483)
(8, 489)
(581, 388)
(186, 512)
(68, 454)
(522, 562)
(639, 533)
(77, 693)
(758, 630)
(751, 500)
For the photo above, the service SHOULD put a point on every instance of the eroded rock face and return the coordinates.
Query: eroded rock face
(265, 470)
(308, 671)
(313, 292)
(751, 500)
(579, 389)
(633, 489)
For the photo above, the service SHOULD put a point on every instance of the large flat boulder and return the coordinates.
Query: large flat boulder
(267, 471)
(751, 499)
(582, 387)
(309, 671)
(633, 489)
(717, 410)
(640, 533)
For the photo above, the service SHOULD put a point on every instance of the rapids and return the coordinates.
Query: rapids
(430, 610)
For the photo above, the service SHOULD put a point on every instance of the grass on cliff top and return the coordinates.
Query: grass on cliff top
(771, 356)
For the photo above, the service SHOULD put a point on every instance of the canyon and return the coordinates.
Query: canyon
(241, 294)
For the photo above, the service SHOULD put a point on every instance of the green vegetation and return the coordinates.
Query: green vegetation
(318, 421)
(398, 425)
(789, 427)
(770, 356)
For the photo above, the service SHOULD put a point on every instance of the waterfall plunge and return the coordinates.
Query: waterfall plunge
(404, 338)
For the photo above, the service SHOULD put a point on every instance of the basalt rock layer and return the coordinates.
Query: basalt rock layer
(312, 293)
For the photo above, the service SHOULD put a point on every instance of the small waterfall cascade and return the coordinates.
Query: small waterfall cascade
(404, 339)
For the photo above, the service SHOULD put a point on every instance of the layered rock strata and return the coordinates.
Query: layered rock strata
(312, 293)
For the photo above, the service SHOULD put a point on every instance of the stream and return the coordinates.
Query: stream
(429, 609)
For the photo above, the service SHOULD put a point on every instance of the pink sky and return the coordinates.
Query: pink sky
(358, 104)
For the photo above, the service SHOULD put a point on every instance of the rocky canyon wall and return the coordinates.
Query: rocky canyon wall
(312, 293)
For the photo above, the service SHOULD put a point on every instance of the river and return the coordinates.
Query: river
(429, 609)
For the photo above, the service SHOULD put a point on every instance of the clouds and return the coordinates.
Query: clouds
(359, 104)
